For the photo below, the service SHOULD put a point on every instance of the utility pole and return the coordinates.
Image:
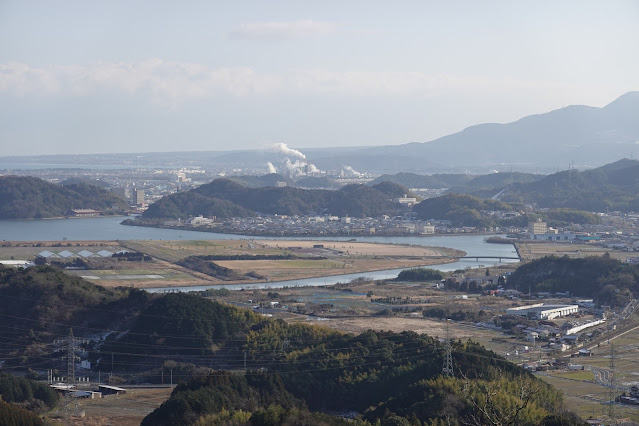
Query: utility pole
(447, 369)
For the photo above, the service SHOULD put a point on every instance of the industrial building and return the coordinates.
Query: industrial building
(542, 311)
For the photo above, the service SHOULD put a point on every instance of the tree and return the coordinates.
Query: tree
(499, 402)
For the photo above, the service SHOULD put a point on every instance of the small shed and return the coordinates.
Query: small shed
(111, 390)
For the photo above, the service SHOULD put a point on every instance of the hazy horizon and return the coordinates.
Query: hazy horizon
(129, 77)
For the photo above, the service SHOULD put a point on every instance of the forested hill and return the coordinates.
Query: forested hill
(459, 208)
(224, 198)
(296, 371)
(293, 371)
(413, 180)
(24, 197)
(611, 187)
(607, 280)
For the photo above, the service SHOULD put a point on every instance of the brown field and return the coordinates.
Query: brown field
(531, 251)
(122, 410)
(420, 325)
(356, 248)
(333, 258)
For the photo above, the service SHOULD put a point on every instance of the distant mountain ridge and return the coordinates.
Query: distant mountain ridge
(611, 187)
(583, 134)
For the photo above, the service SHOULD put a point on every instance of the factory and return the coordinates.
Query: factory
(542, 311)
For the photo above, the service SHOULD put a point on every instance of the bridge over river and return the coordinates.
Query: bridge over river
(490, 257)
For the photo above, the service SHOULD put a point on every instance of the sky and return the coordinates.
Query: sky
(147, 76)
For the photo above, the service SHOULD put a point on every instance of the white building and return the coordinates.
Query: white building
(537, 227)
(405, 200)
(17, 263)
(541, 311)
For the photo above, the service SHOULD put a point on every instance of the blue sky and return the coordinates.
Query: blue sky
(135, 76)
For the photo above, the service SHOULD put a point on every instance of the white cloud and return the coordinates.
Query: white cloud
(169, 84)
(283, 30)
(166, 83)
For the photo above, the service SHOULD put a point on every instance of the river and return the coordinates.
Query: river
(109, 228)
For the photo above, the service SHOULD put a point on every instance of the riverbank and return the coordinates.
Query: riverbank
(264, 233)
(290, 260)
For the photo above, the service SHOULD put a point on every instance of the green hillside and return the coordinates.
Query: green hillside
(225, 198)
(461, 209)
(488, 185)
(270, 179)
(412, 180)
(388, 377)
(41, 303)
(608, 281)
(281, 373)
(24, 197)
(611, 187)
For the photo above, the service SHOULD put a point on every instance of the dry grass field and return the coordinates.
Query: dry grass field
(121, 410)
(536, 250)
(332, 258)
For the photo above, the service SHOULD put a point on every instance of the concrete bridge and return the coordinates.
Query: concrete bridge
(490, 257)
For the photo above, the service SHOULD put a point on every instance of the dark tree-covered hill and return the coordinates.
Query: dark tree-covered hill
(412, 180)
(389, 377)
(282, 373)
(393, 189)
(611, 187)
(312, 182)
(461, 209)
(224, 198)
(24, 197)
(489, 185)
(270, 179)
(607, 280)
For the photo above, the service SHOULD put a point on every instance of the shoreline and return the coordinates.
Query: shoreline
(282, 283)
(152, 286)
(293, 235)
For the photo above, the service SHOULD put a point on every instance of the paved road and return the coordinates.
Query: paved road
(602, 376)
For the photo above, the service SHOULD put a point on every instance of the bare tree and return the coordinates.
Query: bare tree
(488, 402)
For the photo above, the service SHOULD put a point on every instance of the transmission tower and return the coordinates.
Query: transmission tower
(71, 357)
(447, 369)
(612, 390)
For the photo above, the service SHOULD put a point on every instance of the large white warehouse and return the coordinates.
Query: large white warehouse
(541, 311)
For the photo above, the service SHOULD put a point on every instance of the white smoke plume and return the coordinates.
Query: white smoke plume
(284, 149)
(350, 172)
(312, 169)
(295, 169)
(271, 168)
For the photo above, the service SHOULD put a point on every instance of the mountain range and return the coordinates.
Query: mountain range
(589, 136)
(581, 135)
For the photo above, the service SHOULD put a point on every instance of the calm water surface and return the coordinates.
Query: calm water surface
(109, 228)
